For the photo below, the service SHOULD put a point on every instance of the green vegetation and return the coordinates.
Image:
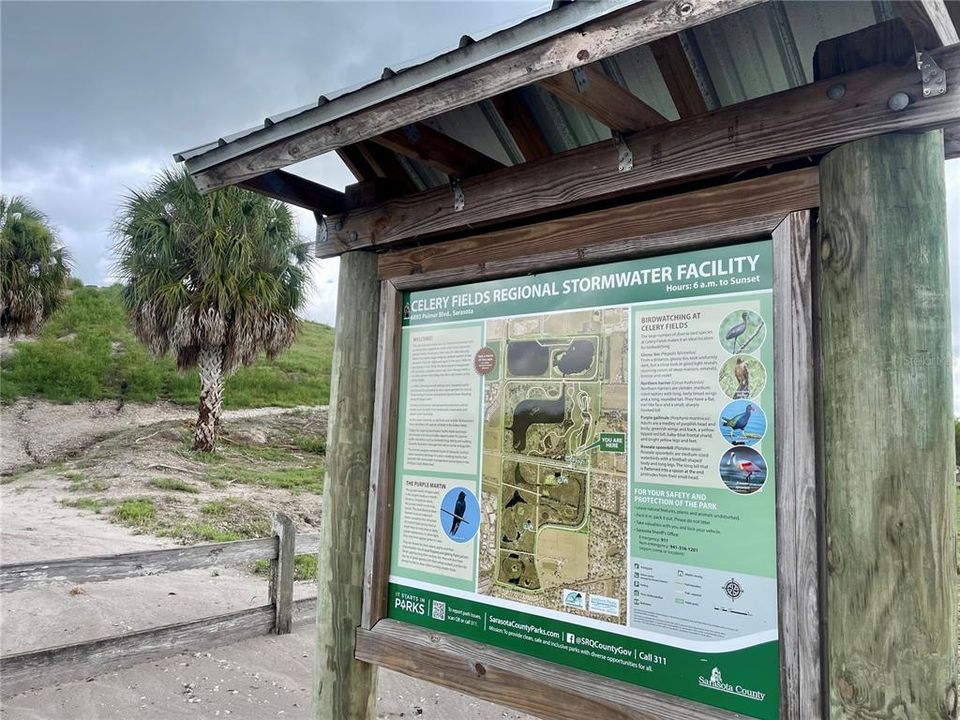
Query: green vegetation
(215, 280)
(34, 268)
(139, 512)
(304, 567)
(87, 352)
(85, 503)
(80, 483)
(174, 484)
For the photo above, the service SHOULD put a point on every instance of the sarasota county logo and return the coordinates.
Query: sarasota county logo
(733, 589)
(716, 682)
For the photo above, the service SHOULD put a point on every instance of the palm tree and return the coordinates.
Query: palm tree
(215, 279)
(34, 268)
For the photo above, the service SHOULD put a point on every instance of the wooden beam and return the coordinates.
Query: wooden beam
(518, 681)
(519, 121)
(887, 430)
(343, 687)
(385, 166)
(356, 163)
(603, 99)
(594, 41)
(929, 22)
(794, 123)
(37, 669)
(951, 142)
(678, 76)
(437, 150)
(638, 228)
(889, 42)
(293, 189)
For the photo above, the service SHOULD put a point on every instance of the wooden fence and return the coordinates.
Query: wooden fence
(40, 668)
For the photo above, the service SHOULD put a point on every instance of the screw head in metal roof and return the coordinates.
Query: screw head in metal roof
(685, 8)
(898, 101)
(836, 91)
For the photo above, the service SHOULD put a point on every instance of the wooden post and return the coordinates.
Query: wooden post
(344, 687)
(281, 573)
(887, 439)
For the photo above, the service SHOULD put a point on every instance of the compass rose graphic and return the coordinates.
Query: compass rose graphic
(733, 589)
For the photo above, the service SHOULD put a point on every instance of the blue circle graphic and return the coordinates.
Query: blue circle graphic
(460, 514)
(742, 422)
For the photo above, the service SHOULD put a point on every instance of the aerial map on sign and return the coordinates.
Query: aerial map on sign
(554, 484)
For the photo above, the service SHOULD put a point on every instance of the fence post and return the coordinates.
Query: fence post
(281, 573)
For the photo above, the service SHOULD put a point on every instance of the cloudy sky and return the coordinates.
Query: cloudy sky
(97, 96)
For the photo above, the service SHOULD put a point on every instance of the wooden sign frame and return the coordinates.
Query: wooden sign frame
(776, 206)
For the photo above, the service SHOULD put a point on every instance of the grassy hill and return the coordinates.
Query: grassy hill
(88, 352)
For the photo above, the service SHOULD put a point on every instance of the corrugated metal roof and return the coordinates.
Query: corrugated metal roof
(758, 51)
(336, 105)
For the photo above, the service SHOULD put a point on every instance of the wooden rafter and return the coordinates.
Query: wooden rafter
(678, 76)
(588, 43)
(287, 187)
(356, 163)
(594, 93)
(515, 115)
(929, 21)
(437, 150)
(794, 123)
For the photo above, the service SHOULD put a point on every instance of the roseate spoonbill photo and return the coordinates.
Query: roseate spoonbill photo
(743, 470)
(748, 467)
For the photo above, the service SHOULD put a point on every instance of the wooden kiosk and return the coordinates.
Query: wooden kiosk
(551, 482)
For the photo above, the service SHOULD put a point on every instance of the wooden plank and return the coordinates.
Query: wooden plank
(356, 163)
(795, 123)
(289, 188)
(951, 142)
(887, 430)
(604, 100)
(929, 22)
(42, 668)
(382, 458)
(150, 562)
(281, 574)
(32, 670)
(593, 41)
(634, 228)
(307, 543)
(889, 42)
(797, 504)
(437, 150)
(518, 681)
(678, 76)
(343, 687)
(523, 128)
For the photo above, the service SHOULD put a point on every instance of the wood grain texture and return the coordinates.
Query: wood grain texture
(433, 148)
(552, 691)
(794, 123)
(289, 188)
(522, 127)
(281, 574)
(594, 41)
(343, 687)
(887, 431)
(929, 22)
(888, 42)
(151, 562)
(637, 228)
(798, 529)
(604, 100)
(678, 76)
(382, 460)
(307, 543)
(80, 661)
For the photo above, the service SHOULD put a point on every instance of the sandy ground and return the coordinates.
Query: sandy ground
(254, 679)
(34, 432)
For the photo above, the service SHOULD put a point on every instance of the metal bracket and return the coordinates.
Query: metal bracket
(458, 200)
(932, 77)
(581, 79)
(624, 156)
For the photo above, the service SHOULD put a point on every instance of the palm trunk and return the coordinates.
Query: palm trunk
(210, 367)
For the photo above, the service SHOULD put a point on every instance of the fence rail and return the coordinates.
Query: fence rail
(39, 668)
